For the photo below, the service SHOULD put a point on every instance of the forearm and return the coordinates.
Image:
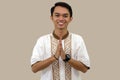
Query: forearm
(78, 65)
(42, 64)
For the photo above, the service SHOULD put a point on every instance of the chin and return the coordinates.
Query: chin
(61, 26)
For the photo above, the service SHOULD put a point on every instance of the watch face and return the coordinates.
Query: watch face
(68, 56)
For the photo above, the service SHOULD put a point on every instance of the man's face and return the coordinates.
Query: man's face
(61, 17)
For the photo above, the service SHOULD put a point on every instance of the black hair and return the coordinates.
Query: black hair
(62, 4)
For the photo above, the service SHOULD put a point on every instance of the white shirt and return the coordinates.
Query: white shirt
(42, 51)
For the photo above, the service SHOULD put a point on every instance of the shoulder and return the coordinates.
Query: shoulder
(76, 37)
(43, 38)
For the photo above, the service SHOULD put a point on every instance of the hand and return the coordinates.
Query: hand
(62, 53)
(58, 51)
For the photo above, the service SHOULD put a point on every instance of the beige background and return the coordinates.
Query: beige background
(22, 22)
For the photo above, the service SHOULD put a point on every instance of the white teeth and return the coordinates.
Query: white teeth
(60, 23)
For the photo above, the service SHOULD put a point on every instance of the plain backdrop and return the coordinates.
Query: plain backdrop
(22, 22)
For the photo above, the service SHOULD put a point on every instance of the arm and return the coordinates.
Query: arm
(78, 65)
(40, 65)
(81, 62)
(74, 63)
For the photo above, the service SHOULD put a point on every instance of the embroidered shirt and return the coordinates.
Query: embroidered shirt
(42, 50)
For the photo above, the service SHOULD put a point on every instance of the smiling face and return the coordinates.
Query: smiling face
(61, 17)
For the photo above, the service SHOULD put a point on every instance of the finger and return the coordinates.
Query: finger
(60, 34)
(60, 37)
(60, 44)
(60, 40)
(58, 47)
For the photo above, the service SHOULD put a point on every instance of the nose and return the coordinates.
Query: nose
(61, 18)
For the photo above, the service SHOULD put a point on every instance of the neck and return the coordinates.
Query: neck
(60, 34)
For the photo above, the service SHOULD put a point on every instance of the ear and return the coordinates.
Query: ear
(51, 17)
(71, 19)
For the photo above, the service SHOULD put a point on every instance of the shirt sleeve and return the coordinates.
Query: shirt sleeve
(38, 50)
(83, 54)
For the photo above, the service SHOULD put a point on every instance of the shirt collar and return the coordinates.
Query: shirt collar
(57, 37)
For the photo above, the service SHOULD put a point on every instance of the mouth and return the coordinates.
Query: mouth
(61, 23)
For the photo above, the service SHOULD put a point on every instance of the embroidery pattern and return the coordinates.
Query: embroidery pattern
(55, 65)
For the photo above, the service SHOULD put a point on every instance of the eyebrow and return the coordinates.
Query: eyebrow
(62, 14)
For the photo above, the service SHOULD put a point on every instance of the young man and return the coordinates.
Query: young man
(61, 54)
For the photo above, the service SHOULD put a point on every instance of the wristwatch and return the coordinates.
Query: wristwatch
(67, 58)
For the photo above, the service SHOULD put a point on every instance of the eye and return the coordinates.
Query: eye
(65, 16)
(57, 15)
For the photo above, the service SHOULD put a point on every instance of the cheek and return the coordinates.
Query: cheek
(55, 20)
(69, 20)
